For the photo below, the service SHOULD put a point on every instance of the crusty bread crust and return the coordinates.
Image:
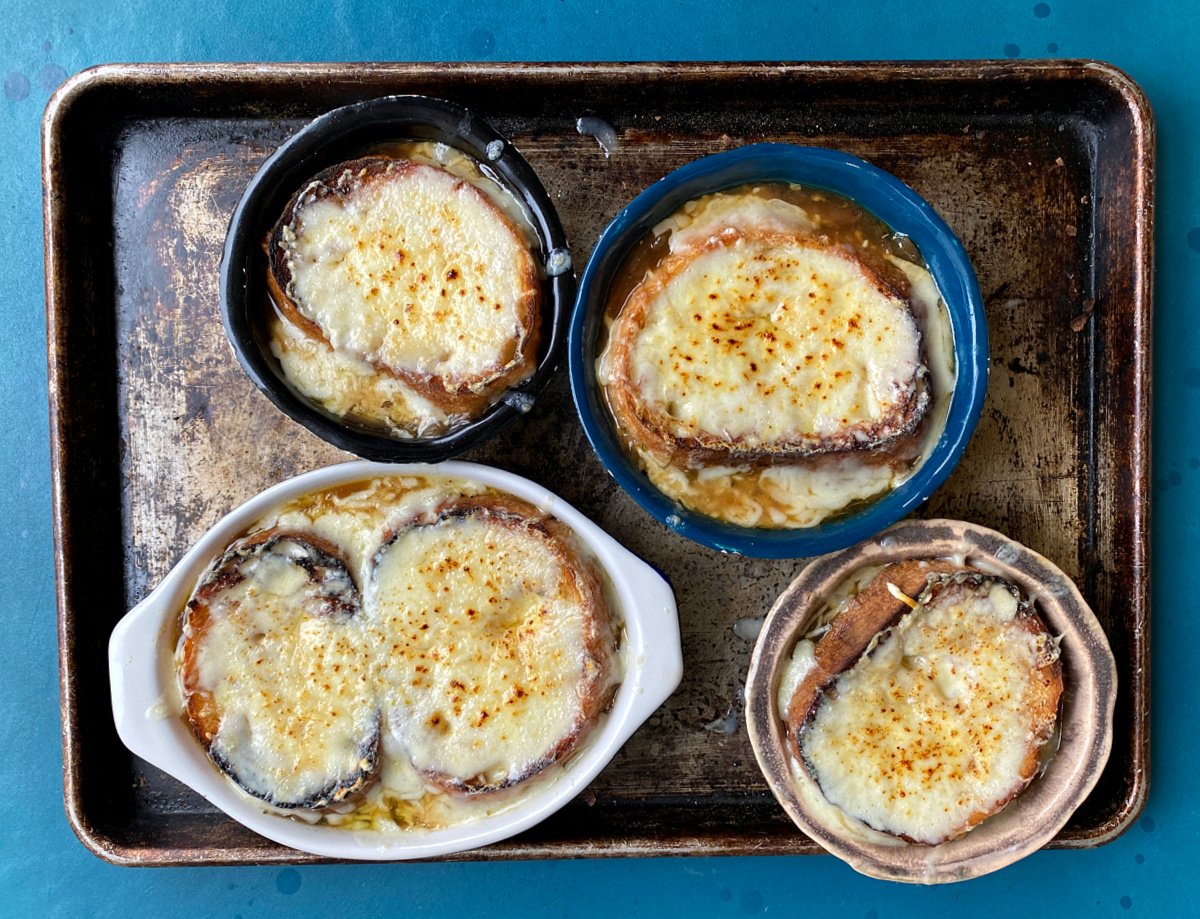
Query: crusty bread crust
(875, 609)
(890, 439)
(201, 709)
(596, 685)
(467, 396)
(871, 611)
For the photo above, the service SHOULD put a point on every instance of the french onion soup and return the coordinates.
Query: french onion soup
(776, 356)
(405, 293)
(925, 700)
(402, 652)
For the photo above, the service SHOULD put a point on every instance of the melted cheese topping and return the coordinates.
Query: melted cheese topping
(933, 724)
(276, 696)
(349, 387)
(293, 683)
(418, 273)
(766, 342)
(704, 219)
(487, 648)
(751, 397)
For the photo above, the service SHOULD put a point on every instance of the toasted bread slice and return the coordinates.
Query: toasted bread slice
(413, 270)
(273, 660)
(929, 702)
(502, 643)
(766, 347)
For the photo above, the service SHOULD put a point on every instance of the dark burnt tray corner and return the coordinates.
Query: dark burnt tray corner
(1044, 169)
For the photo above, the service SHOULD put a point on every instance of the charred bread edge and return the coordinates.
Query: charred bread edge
(892, 437)
(468, 396)
(1086, 717)
(600, 642)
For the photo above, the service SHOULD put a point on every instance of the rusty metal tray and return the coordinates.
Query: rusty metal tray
(1044, 169)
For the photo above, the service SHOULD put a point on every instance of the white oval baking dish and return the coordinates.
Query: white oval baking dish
(651, 652)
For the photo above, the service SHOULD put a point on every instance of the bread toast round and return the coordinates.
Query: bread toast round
(765, 347)
(928, 702)
(274, 671)
(413, 270)
(502, 645)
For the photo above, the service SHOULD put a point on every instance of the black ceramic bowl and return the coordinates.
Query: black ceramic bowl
(344, 134)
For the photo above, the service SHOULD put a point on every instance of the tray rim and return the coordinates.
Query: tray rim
(78, 88)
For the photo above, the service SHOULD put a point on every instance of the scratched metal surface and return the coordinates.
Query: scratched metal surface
(1011, 163)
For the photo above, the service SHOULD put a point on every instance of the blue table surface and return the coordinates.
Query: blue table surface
(45, 871)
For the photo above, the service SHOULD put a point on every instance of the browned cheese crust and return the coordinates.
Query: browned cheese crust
(467, 396)
(875, 609)
(581, 581)
(891, 439)
(201, 710)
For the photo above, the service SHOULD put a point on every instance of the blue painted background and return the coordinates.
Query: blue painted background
(44, 871)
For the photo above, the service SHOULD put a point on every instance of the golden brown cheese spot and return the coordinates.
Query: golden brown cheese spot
(766, 300)
(933, 726)
(488, 648)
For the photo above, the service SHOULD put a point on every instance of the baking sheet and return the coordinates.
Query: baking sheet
(1044, 169)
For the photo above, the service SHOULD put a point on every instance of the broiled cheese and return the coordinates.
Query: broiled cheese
(933, 727)
(486, 649)
(290, 675)
(507, 618)
(349, 387)
(420, 274)
(766, 336)
(771, 340)
(705, 218)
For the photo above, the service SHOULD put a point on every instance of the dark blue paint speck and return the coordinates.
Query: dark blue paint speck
(1175, 478)
(752, 902)
(16, 86)
(1052, 48)
(50, 76)
(725, 895)
(46, 46)
(1140, 858)
(1194, 462)
(1126, 902)
(1041, 10)
(1193, 238)
(872, 914)
(1011, 50)
(1148, 824)
(287, 881)
(1191, 376)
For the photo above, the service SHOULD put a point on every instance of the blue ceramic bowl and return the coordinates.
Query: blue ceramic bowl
(887, 198)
